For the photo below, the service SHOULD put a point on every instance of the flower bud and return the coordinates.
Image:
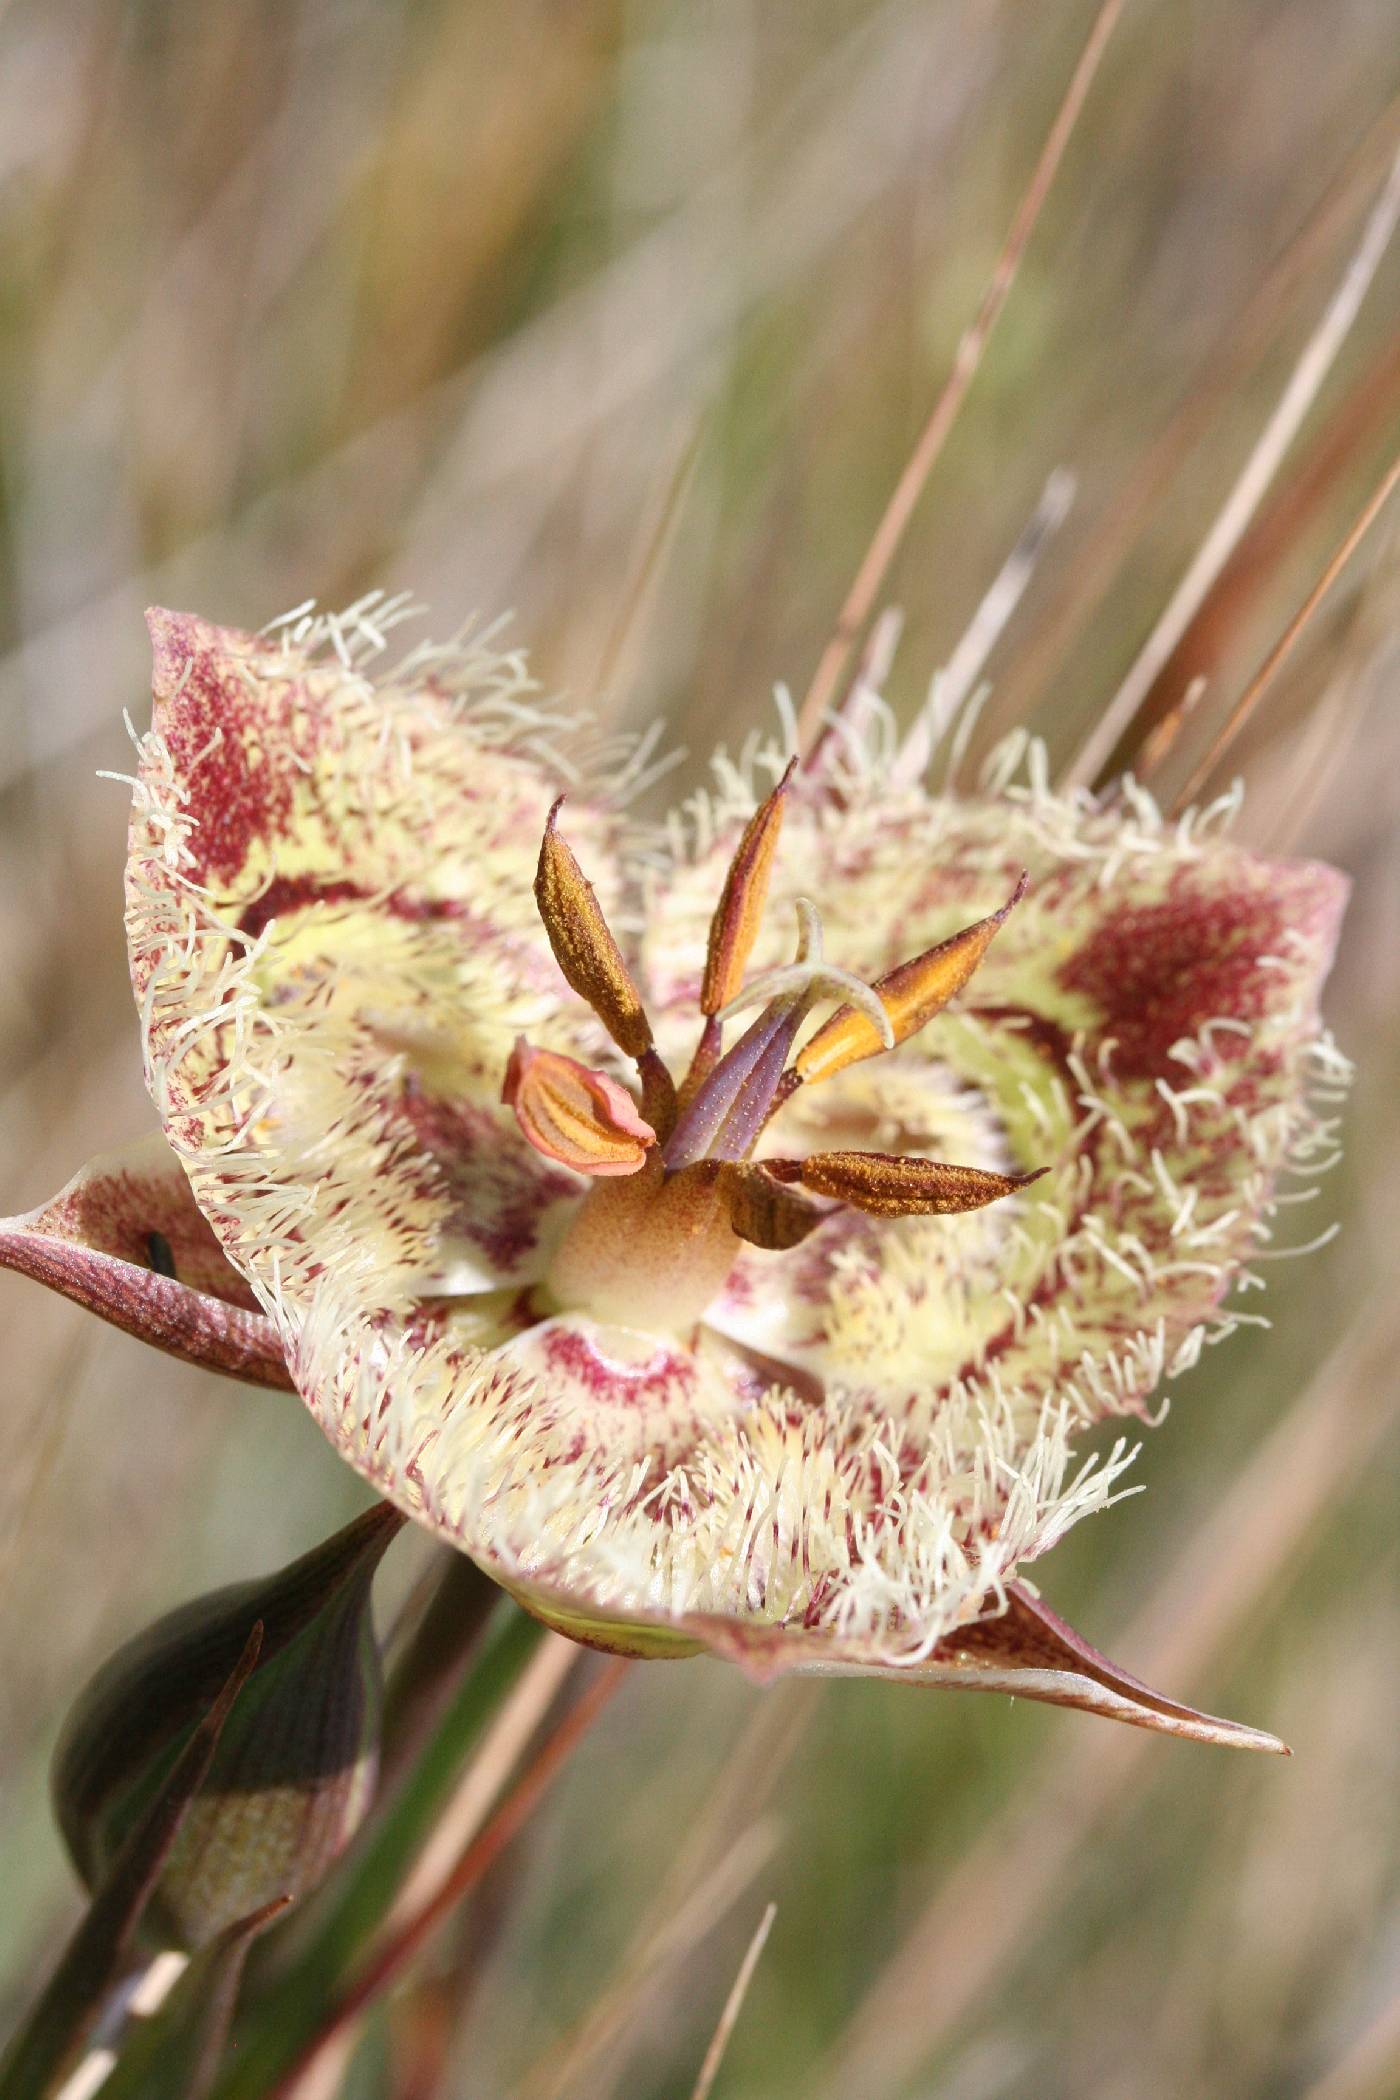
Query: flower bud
(296, 1764)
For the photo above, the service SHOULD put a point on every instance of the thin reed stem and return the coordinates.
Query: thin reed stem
(889, 533)
(1292, 634)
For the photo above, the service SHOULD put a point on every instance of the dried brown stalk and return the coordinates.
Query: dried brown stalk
(1318, 356)
(733, 2006)
(1027, 678)
(870, 576)
(1010, 1880)
(401, 1947)
(1288, 641)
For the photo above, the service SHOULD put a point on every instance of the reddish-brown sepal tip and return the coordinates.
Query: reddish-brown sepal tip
(126, 1240)
(573, 1114)
(1025, 1651)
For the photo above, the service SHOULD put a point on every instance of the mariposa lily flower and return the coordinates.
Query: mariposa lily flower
(786, 1336)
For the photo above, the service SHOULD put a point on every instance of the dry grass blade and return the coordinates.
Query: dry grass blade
(1354, 430)
(952, 693)
(485, 1775)
(733, 2006)
(408, 1938)
(690, 1897)
(1370, 2068)
(860, 599)
(1028, 677)
(1005, 1886)
(1287, 642)
(733, 1874)
(654, 542)
(1318, 357)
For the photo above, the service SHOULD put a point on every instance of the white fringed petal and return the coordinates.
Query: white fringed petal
(334, 946)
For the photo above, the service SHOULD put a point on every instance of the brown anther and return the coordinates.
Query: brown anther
(578, 1116)
(735, 924)
(763, 1211)
(911, 995)
(583, 946)
(889, 1186)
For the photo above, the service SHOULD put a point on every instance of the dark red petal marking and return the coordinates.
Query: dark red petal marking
(1159, 972)
(235, 751)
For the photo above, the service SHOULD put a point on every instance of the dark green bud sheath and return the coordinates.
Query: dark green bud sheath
(296, 1764)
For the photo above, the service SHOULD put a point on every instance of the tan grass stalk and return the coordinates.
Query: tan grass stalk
(1288, 641)
(1305, 382)
(402, 1945)
(1007, 1885)
(686, 1904)
(870, 576)
(504, 1745)
(1030, 675)
(733, 2006)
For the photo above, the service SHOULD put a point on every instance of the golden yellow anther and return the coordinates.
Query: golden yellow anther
(575, 1115)
(734, 927)
(890, 1186)
(911, 995)
(583, 946)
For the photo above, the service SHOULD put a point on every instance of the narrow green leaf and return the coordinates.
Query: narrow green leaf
(174, 2054)
(335, 1928)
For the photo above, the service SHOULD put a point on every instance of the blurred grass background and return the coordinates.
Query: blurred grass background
(302, 296)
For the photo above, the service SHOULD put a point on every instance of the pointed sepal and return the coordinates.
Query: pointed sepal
(126, 1240)
(1024, 1650)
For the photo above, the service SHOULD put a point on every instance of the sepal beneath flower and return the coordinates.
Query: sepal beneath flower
(888, 1186)
(573, 1114)
(126, 1240)
(1025, 1650)
(1042, 1657)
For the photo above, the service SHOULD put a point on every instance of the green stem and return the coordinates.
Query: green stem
(339, 1925)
